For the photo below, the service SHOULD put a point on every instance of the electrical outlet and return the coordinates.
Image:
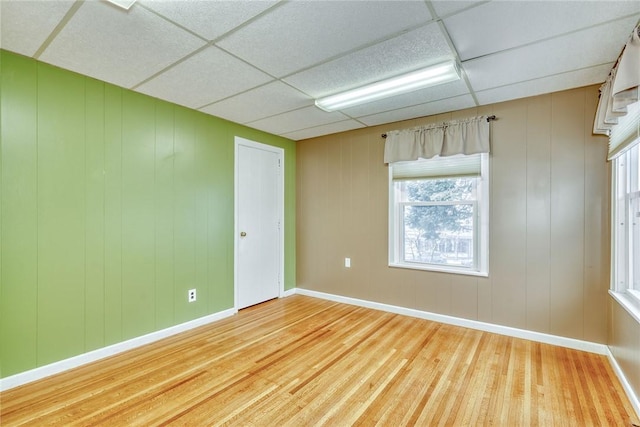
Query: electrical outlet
(347, 262)
(191, 295)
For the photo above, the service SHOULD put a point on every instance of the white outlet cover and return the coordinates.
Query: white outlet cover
(347, 262)
(191, 295)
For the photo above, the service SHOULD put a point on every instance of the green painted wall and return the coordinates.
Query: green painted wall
(113, 205)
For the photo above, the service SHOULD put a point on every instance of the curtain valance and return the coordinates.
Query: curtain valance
(468, 136)
(620, 88)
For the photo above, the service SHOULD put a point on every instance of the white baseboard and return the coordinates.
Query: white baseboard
(92, 356)
(288, 293)
(635, 402)
(472, 324)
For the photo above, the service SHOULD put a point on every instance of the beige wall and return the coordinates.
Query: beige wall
(549, 238)
(624, 342)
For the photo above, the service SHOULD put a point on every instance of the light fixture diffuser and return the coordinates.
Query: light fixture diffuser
(420, 79)
(125, 4)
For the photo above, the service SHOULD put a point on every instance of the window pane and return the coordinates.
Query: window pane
(634, 238)
(438, 190)
(439, 234)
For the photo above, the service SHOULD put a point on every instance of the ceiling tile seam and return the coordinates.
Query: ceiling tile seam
(161, 16)
(254, 88)
(358, 48)
(464, 9)
(338, 120)
(208, 44)
(452, 46)
(279, 114)
(281, 79)
(220, 37)
(311, 98)
(249, 21)
(557, 36)
(316, 127)
(353, 118)
(58, 28)
(170, 66)
(547, 76)
(409, 106)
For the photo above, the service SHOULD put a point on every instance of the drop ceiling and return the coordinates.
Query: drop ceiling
(262, 63)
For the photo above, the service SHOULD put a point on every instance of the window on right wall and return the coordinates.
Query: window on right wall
(624, 151)
(626, 228)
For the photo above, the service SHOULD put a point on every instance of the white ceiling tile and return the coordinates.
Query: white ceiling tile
(324, 130)
(209, 19)
(447, 7)
(407, 52)
(544, 85)
(582, 49)
(118, 46)
(496, 26)
(264, 101)
(448, 90)
(436, 107)
(296, 120)
(301, 33)
(205, 77)
(25, 25)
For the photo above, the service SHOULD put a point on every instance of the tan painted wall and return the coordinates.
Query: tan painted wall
(549, 238)
(624, 342)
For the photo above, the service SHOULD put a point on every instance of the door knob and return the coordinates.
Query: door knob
(242, 234)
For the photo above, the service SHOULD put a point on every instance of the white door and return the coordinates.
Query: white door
(259, 207)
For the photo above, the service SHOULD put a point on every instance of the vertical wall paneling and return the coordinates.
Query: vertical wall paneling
(163, 210)
(94, 213)
(311, 176)
(184, 212)
(538, 213)
(61, 214)
(379, 273)
(596, 238)
(508, 215)
(138, 219)
(347, 244)
(567, 214)
(113, 215)
(19, 245)
(220, 187)
(360, 214)
(332, 251)
(484, 292)
(201, 153)
(540, 221)
(114, 204)
(466, 307)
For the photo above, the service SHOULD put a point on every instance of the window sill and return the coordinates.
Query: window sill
(439, 269)
(628, 303)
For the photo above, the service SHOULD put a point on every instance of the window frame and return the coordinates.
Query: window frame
(481, 227)
(623, 191)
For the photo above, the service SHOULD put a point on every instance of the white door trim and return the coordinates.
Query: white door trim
(239, 141)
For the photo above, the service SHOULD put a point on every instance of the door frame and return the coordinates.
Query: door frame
(239, 141)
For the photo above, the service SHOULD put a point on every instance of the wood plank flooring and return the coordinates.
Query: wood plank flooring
(302, 361)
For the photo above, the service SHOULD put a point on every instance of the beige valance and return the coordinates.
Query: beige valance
(620, 88)
(468, 136)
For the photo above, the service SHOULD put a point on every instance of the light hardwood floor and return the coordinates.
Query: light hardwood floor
(301, 361)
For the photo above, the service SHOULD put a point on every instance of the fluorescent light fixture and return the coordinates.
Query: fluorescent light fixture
(125, 4)
(420, 79)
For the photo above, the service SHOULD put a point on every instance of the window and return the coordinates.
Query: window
(626, 232)
(438, 214)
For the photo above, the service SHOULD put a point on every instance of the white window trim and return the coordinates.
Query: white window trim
(482, 249)
(629, 299)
